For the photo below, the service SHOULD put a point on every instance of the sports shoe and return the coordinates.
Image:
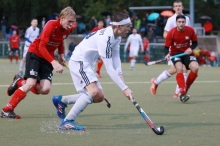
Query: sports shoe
(184, 97)
(14, 86)
(176, 95)
(60, 106)
(70, 125)
(9, 114)
(153, 87)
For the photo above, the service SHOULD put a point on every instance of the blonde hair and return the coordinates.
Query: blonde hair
(68, 11)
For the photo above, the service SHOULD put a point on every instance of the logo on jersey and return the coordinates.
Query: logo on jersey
(186, 37)
(64, 36)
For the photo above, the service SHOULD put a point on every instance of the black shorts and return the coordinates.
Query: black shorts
(186, 60)
(37, 68)
(14, 51)
(145, 52)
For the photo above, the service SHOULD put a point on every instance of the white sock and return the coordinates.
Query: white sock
(163, 76)
(83, 101)
(70, 99)
(133, 62)
(21, 67)
(177, 87)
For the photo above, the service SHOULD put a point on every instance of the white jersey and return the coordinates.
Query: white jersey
(101, 43)
(171, 22)
(31, 34)
(135, 41)
(98, 43)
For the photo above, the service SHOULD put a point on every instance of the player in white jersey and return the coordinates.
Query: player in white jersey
(171, 23)
(106, 44)
(135, 42)
(31, 34)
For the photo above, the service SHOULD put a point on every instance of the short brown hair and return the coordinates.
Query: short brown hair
(119, 16)
(67, 11)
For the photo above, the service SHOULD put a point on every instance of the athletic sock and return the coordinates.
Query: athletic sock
(70, 99)
(181, 82)
(132, 63)
(191, 78)
(21, 82)
(10, 57)
(34, 89)
(99, 66)
(177, 87)
(83, 101)
(15, 99)
(163, 76)
(22, 64)
(16, 57)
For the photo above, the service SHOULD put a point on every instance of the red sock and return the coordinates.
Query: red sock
(10, 57)
(99, 66)
(16, 57)
(181, 82)
(21, 82)
(190, 79)
(147, 58)
(15, 99)
(34, 89)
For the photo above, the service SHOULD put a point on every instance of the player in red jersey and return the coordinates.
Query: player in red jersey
(40, 61)
(100, 62)
(14, 46)
(146, 49)
(178, 40)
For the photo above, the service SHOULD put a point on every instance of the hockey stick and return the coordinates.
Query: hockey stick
(158, 131)
(106, 100)
(161, 60)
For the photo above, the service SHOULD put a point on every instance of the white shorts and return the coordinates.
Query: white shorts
(25, 51)
(133, 52)
(82, 75)
(170, 62)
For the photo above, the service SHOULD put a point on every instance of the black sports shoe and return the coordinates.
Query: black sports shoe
(184, 98)
(13, 87)
(9, 114)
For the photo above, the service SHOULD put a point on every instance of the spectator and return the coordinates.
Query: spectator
(93, 23)
(43, 22)
(213, 59)
(4, 24)
(71, 48)
(151, 35)
(107, 20)
(208, 27)
(137, 23)
(143, 27)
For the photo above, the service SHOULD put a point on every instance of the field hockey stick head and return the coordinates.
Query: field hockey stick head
(158, 131)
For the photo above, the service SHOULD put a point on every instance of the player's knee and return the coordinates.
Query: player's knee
(30, 84)
(98, 99)
(45, 90)
(172, 71)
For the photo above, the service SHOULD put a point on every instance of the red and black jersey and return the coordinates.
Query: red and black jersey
(49, 40)
(179, 41)
(14, 41)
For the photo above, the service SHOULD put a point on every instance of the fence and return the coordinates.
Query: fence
(156, 50)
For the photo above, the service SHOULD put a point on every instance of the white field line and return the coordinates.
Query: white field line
(109, 83)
